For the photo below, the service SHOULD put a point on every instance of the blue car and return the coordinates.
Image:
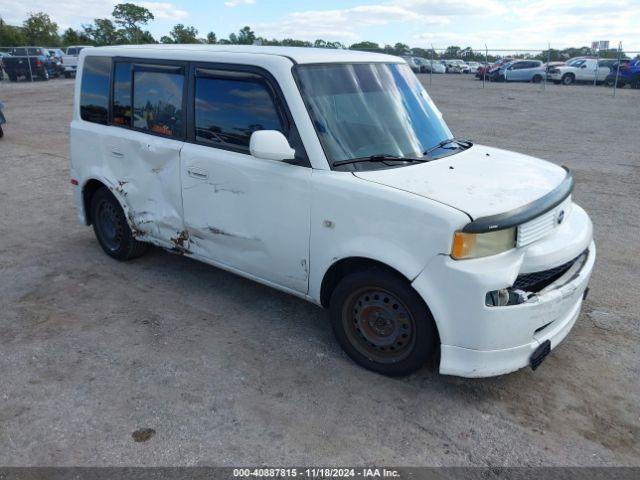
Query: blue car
(629, 74)
(520, 71)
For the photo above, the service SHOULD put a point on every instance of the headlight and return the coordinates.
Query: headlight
(474, 245)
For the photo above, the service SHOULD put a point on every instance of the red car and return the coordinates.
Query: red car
(488, 69)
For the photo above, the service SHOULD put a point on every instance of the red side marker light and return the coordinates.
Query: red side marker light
(74, 181)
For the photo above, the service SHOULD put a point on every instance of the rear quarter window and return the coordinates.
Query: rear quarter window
(157, 100)
(94, 90)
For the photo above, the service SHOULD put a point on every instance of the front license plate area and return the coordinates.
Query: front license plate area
(539, 354)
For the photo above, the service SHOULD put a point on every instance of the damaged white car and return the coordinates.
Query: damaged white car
(331, 175)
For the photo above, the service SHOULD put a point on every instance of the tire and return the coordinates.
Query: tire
(45, 76)
(536, 79)
(111, 228)
(1, 132)
(609, 82)
(557, 82)
(13, 78)
(67, 74)
(635, 82)
(382, 323)
(568, 79)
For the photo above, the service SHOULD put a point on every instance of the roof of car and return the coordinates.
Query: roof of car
(296, 54)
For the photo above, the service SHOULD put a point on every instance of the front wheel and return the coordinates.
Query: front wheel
(382, 323)
(568, 79)
(111, 228)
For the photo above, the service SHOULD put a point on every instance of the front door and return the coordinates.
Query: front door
(246, 213)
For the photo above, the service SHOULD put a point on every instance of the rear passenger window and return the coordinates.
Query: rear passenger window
(94, 93)
(157, 100)
(228, 110)
(122, 94)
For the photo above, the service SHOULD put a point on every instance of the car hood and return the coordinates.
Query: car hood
(480, 181)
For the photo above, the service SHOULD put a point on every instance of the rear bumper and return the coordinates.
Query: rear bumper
(479, 340)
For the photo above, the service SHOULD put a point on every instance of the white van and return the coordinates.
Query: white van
(331, 175)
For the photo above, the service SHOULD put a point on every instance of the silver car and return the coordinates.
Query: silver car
(522, 71)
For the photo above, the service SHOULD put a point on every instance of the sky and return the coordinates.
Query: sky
(512, 24)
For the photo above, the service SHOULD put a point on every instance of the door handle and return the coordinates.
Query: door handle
(197, 173)
(117, 154)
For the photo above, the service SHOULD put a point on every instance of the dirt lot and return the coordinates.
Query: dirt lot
(228, 372)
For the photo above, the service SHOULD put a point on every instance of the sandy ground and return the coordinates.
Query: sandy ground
(228, 372)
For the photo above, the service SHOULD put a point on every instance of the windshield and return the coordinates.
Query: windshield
(360, 110)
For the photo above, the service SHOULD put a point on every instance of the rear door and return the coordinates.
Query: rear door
(142, 147)
(249, 214)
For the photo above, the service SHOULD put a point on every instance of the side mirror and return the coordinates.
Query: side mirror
(270, 145)
(583, 66)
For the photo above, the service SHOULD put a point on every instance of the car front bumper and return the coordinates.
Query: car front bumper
(481, 341)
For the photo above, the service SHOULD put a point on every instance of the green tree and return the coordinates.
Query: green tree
(132, 18)
(104, 32)
(245, 36)
(39, 29)
(290, 42)
(211, 38)
(452, 52)
(181, 34)
(366, 46)
(11, 36)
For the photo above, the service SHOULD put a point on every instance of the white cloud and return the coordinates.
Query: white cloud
(72, 13)
(164, 11)
(340, 24)
(236, 3)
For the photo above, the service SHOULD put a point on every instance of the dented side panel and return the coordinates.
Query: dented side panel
(144, 171)
(247, 213)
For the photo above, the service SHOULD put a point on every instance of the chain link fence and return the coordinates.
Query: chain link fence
(613, 68)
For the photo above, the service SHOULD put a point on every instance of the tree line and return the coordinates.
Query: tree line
(128, 21)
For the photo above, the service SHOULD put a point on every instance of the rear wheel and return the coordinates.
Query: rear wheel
(67, 74)
(382, 323)
(537, 79)
(568, 79)
(111, 227)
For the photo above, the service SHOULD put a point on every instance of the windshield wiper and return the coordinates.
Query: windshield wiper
(458, 141)
(381, 157)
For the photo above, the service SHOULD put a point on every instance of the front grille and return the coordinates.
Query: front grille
(536, 281)
(541, 226)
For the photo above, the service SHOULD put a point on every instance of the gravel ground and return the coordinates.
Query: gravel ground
(229, 372)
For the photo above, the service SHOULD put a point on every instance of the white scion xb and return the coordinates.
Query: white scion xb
(331, 175)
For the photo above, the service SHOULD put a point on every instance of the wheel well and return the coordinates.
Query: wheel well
(344, 267)
(90, 188)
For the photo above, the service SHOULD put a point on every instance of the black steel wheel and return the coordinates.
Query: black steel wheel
(111, 228)
(382, 323)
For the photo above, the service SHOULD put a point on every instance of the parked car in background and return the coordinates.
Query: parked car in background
(473, 67)
(578, 70)
(487, 70)
(628, 74)
(2, 55)
(435, 67)
(56, 55)
(456, 66)
(70, 59)
(520, 71)
(413, 63)
(30, 63)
